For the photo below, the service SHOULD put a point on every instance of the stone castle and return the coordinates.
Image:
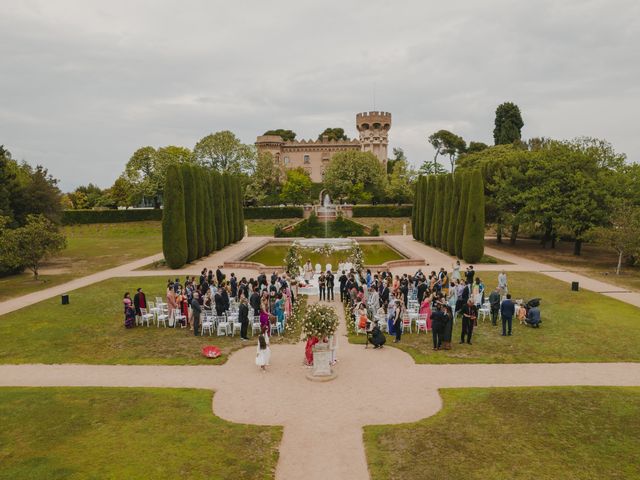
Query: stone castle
(314, 155)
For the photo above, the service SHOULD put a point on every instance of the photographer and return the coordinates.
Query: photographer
(376, 337)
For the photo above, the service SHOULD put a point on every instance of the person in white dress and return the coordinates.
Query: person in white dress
(308, 271)
(455, 274)
(263, 354)
(502, 283)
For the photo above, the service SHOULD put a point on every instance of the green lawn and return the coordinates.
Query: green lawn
(90, 248)
(577, 327)
(515, 433)
(90, 330)
(374, 254)
(264, 228)
(118, 433)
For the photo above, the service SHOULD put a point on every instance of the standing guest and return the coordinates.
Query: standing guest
(507, 310)
(219, 302)
(469, 315)
(254, 301)
(502, 283)
(494, 302)
(203, 276)
(233, 283)
(425, 309)
(343, 282)
(225, 298)
(448, 326)
(455, 271)
(437, 327)
(369, 279)
(243, 318)
(279, 309)
(196, 310)
(264, 313)
(330, 283)
(384, 294)
(171, 301)
(139, 301)
(322, 287)
(219, 274)
(263, 355)
(308, 271)
(129, 312)
(422, 287)
(470, 273)
(397, 321)
(209, 277)
(404, 292)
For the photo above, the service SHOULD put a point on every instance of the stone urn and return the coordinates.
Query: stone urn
(321, 370)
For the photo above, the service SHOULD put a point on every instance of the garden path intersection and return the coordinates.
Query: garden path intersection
(323, 421)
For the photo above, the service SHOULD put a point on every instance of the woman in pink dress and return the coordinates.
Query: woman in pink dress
(425, 308)
(287, 302)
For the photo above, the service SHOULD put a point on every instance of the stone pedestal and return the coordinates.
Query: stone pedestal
(321, 370)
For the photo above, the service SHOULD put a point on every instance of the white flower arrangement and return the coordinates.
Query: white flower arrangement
(293, 259)
(356, 257)
(319, 321)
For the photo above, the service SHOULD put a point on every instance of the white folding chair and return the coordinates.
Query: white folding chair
(255, 325)
(179, 317)
(163, 316)
(236, 326)
(223, 326)
(406, 322)
(421, 323)
(484, 311)
(206, 324)
(145, 316)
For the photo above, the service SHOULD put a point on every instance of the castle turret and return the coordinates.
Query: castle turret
(374, 133)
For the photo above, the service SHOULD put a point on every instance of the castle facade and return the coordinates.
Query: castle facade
(315, 155)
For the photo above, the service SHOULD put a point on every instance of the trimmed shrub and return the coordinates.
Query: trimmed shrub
(201, 219)
(428, 210)
(473, 242)
(73, 217)
(211, 207)
(415, 212)
(190, 211)
(240, 209)
(446, 208)
(218, 208)
(224, 207)
(174, 238)
(263, 213)
(382, 210)
(436, 232)
(453, 213)
(462, 212)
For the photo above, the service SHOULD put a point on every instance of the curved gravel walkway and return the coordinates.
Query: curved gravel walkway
(323, 421)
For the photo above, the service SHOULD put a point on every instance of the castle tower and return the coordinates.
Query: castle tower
(374, 133)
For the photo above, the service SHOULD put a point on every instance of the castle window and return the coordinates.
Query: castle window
(277, 159)
(307, 160)
(286, 160)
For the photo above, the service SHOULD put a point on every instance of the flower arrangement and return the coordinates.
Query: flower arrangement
(356, 257)
(293, 322)
(319, 321)
(293, 260)
(325, 250)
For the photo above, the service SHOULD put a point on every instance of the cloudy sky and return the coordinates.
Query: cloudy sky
(83, 84)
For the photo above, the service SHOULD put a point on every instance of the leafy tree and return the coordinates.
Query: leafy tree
(39, 195)
(453, 213)
(399, 187)
(9, 184)
(430, 168)
(508, 124)
(174, 231)
(333, 134)
(296, 187)
(398, 154)
(448, 187)
(266, 180)
(355, 176)
(121, 192)
(436, 225)
(473, 242)
(286, 135)
(475, 147)
(189, 193)
(623, 235)
(224, 152)
(462, 211)
(429, 210)
(446, 143)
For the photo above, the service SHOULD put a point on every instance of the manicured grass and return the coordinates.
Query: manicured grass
(515, 433)
(90, 330)
(392, 225)
(577, 327)
(374, 254)
(81, 433)
(90, 248)
(264, 228)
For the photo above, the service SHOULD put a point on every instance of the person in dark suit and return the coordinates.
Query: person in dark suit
(225, 299)
(384, 295)
(469, 315)
(404, 291)
(322, 287)
(219, 302)
(243, 318)
(196, 310)
(438, 323)
(507, 311)
(330, 283)
(494, 302)
(422, 287)
(469, 274)
(342, 280)
(254, 301)
(233, 283)
(139, 301)
(219, 275)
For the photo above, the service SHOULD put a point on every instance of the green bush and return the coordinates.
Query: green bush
(218, 208)
(446, 208)
(73, 217)
(429, 209)
(436, 230)
(375, 230)
(263, 213)
(174, 238)
(473, 243)
(415, 211)
(462, 212)
(211, 207)
(201, 224)
(190, 206)
(453, 214)
(382, 210)
(240, 209)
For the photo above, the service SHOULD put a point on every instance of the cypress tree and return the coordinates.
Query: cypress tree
(190, 212)
(212, 208)
(208, 213)
(200, 216)
(224, 204)
(241, 209)
(428, 210)
(436, 233)
(446, 207)
(230, 208)
(462, 212)
(174, 233)
(453, 213)
(416, 206)
(218, 209)
(473, 243)
(235, 185)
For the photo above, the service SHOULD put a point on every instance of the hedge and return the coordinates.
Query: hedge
(462, 211)
(473, 242)
(190, 205)
(72, 217)
(260, 213)
(174, 236)
(382, 210)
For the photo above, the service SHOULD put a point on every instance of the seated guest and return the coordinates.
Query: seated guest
(377, 338)
(533, 317)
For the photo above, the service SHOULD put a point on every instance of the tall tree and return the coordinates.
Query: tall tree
(623, 235)
(429, 209)
(453, 213)
(223, 151)
(333, 134)
(296, 187)
(174, 234)
(475, 147)
(508, 124)
(200, 215)
(436, 228)
(226, 215)
(218, 209)
(473, 242)
(462, 211)
(266, 180)
(415, 211)
(399, 187)
(448, 187)
(447, 143)
(356, 177)
(190, 205)
(286, 135)
(211, 206)
(398, 154)
(208, 213)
